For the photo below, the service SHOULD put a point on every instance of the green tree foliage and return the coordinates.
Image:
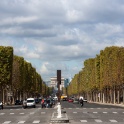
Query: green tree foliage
(106, 70)
(6, 61)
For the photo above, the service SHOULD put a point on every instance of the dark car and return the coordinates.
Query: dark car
(36, 101)
(48, 103)
(18, 102)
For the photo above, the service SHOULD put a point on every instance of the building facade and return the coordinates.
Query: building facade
(53, 83)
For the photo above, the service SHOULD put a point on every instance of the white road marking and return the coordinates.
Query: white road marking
(21, 122)
(36, 121)
(95, 112)
(113, 121)
(6, 122)
(115, 112)
(12, 113)
(75, 112)
(2, 113)
(105, 112)
(83, 120)
(21, 113)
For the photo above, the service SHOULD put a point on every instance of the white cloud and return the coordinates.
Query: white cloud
(60, 34)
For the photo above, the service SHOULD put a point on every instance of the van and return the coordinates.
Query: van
(31, 102)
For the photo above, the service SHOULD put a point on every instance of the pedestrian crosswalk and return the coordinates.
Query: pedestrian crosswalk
(21, 122)
(84, 115)
(82, 121)
(98, 120)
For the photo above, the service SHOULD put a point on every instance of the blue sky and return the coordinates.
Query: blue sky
(60, 34)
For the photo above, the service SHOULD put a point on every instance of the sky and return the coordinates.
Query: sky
(60, 34)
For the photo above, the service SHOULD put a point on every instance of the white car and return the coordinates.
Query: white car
(31, 102)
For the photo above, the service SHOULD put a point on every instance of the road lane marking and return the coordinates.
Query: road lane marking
(21, 122)
(2, 113)
(83, 120)
(113, 121)
(12, 113)
(75, 112)
(6, 122)
(36, 121)
(105, 112)
(114, 112)
(95, 112)
(21, 113)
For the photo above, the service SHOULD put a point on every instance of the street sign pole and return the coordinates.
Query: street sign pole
(58, 83)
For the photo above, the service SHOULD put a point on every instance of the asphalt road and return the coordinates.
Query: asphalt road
(90, 113)
(17, 115)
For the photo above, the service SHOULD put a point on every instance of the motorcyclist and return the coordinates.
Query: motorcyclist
(81, 102)
(1, 105)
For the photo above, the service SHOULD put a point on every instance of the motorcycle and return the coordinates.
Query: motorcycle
(81, 104)
(1, 105)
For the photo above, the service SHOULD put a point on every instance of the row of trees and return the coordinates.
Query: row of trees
(18, 78)
(102, 78)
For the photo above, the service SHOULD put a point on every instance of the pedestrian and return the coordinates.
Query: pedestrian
(42, 103)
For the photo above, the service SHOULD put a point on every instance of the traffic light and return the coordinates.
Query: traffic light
(59, 76)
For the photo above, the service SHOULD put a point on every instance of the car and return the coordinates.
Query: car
(36, 101)
(31, 102)
(18, 102)
(70, 100)
(65, 99)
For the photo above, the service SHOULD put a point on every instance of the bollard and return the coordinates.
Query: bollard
(59, 111)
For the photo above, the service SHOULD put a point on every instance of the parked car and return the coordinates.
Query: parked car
(18, 102)
(31, 102)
